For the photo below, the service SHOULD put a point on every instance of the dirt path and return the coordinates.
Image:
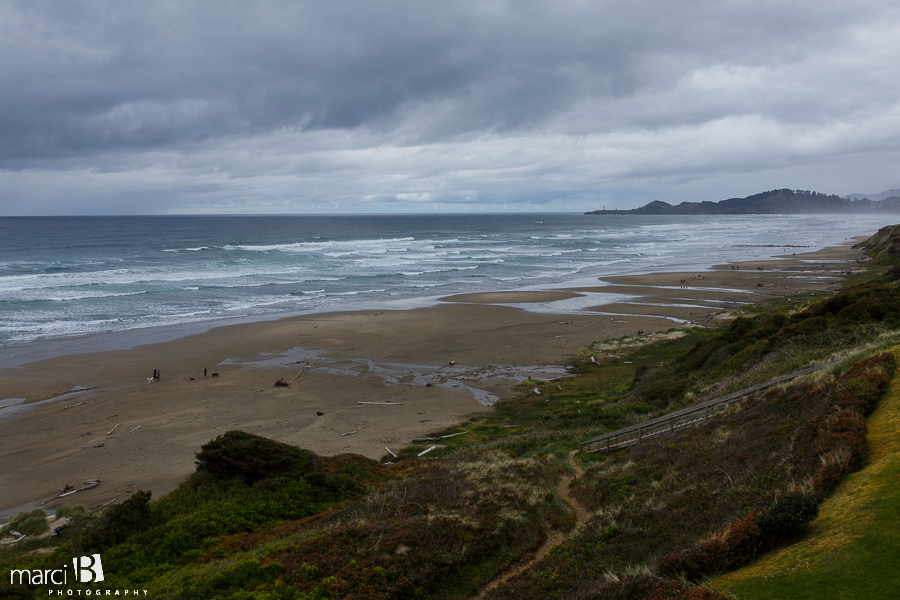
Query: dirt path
(554, 537)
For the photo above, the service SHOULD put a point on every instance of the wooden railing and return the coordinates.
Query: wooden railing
(680, 419)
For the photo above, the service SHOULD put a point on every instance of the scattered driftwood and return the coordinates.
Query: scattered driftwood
(113, 429)
(135, 429)
(613, 356)
(350, 433)
(72, 405)
(391, 451)
(424, 452)
(67, 491)
(21, 537)
(383, 403)
(282, 383)
(427, 439)
(100, 445)
(444, 437)
(295, 377)
(425, 421)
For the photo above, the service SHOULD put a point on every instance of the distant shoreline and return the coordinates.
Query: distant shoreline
(774, 202)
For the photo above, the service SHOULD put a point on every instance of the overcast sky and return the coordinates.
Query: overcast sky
(392, 106)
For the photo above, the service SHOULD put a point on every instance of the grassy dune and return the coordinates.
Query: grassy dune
(853, 546)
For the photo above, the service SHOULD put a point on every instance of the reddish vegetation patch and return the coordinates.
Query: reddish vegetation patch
(842, 447)
(734, 475)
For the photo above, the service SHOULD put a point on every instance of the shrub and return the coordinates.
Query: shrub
(120, 521)
(787, 517)
(29, 522)
(251, 458)
(72, 511)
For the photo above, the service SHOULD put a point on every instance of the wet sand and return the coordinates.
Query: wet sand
(334, 362)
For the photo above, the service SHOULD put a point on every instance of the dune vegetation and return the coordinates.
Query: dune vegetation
(495, 509)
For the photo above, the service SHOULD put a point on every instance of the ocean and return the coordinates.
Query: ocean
(69, 277)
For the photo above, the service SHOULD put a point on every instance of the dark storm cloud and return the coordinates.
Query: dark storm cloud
(245, 100)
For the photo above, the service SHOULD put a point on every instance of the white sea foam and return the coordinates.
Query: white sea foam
(329, 265)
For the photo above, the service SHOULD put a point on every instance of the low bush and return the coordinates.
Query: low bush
(786, 517)
(119, 522)
(251, 458)
(29, 522)
(73, 512)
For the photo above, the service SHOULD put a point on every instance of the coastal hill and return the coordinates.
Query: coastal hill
(778, 202)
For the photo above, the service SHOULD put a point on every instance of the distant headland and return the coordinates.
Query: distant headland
(780, 202)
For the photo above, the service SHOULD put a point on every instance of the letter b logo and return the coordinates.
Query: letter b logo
(88, 569)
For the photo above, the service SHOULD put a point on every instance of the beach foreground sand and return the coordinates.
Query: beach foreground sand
(132, 433)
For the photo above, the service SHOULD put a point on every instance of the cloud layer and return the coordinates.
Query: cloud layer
(395, 105)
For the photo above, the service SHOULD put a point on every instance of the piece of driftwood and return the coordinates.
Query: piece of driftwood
(427, 439)
(295, 377)
(135, 429)
(113, 429)
(391, 451)
(350, 433)
(81, 489)
(282, 383)
(21, 537)
(424, 452)
(383, 403)
(536, 391)
(102, 505)
(444, 437)
(100, 445)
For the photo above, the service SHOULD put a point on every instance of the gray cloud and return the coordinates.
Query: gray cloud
(287, 106)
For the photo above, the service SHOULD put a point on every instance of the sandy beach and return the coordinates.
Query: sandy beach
(359, 381)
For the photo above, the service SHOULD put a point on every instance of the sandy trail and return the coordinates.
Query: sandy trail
(554, 536)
